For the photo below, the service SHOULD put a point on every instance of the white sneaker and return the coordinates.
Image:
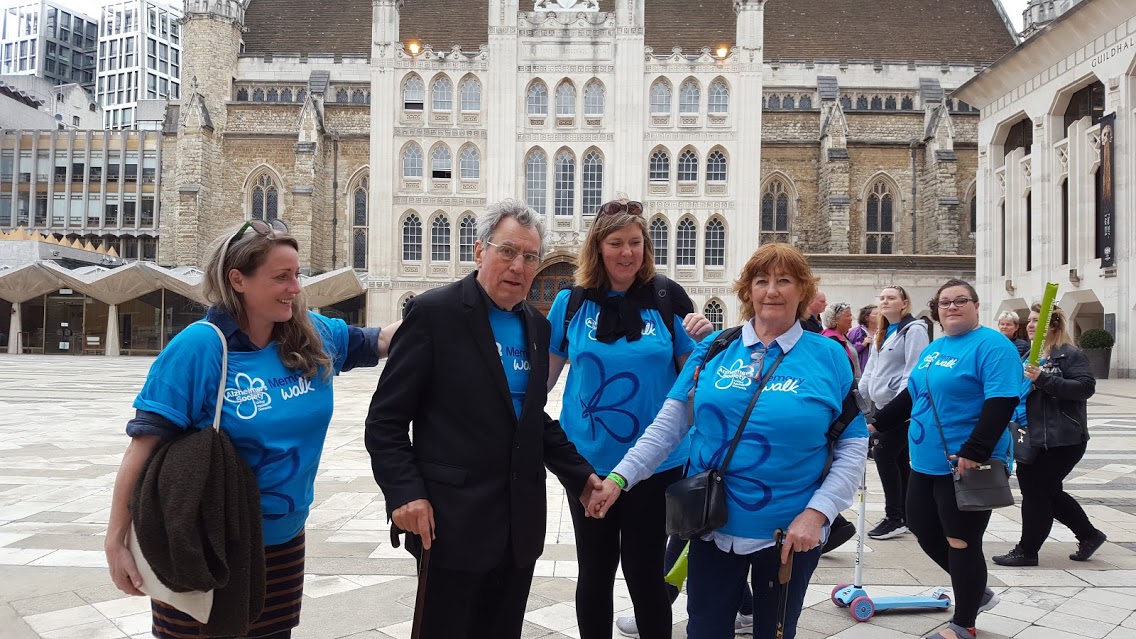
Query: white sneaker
(989, 600)
(626, 627)
(743, 624)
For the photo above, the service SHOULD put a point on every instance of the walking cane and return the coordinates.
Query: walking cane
(423, 572)
(784, 575)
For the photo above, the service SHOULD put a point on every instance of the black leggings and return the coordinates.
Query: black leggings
(893, 463)
(1044, 498)
(933, 516)
(633, 531)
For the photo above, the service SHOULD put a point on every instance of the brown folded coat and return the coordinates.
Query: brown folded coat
(196, 511)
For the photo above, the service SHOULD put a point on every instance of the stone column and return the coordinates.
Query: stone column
(383, 228)
(627, 164)
(501, 95)
(112, 332)
(746, 103)
(15, 346)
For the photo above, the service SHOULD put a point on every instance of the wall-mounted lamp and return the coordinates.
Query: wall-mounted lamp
(1074, 276)
(723, 51)
(414, 47)
(1010, 286)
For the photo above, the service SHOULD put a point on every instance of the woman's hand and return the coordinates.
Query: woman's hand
(804, 533)
(1032, 372)
(964, 464)
(123, 570)
(697, 326)
(603, 499)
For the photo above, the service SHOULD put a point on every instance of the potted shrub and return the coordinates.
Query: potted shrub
(1097, 344)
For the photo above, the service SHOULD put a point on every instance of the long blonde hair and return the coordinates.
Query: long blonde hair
(1057, 334)
(300, 345)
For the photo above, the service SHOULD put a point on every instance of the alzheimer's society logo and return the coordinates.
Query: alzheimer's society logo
(738, 375)
(250, 396)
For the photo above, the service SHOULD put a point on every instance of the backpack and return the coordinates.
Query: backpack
(664, 304)
(849, 410)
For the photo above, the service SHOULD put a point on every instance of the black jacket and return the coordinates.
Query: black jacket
(482, 469)
(1057, 406)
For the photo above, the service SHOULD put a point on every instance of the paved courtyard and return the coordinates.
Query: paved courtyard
(61, 440)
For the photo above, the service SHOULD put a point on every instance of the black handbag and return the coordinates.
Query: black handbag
(697, 505)
(985, 487)
(1024, 451)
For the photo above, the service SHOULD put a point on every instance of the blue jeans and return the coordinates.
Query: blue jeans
(715, 585)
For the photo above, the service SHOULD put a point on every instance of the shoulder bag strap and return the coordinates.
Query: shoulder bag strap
(935, 412)
(224, 375)
(749, 409)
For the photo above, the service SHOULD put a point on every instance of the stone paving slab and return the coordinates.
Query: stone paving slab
(61, 440)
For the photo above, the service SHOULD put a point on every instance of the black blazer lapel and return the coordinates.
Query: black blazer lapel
(477, 319)
(538, 362)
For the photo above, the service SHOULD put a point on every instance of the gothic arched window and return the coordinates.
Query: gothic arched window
(412, 162)
(441, 163)
(413, 94)
(470, 163)
(440, 240)
(688, 166)
(775, 213)
(659, 232)
(686, 242)
(471, 95)
(716, 167)
(442, 95)
(538, 99)
(594, 99)
(879, 222)
(660, 167)
(564, 186)
(592, 181)
(660, 97)
(715, 243)
(412, 239)
(689, 97)
(536, 181)
(566, 99)
(265, 198)
(714, 312)
(467, 236)
(718, 98)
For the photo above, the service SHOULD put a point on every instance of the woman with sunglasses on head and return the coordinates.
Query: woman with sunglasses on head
(960, 397)
(1054, 411)
(837, 321)
(625, 356)
(899, 340)
(281, 359)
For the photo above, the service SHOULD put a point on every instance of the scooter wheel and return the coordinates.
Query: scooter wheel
(944, 597)
(862, 609)
(836, 600)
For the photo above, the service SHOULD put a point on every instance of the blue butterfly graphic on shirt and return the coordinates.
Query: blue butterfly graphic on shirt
(258, 459)
(711, 417)
(604, 408)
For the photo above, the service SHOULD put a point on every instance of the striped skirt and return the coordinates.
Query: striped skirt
(283, 593)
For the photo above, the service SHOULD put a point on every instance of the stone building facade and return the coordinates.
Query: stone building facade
(377, 129)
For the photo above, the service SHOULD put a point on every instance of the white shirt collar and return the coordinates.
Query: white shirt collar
(786, 340)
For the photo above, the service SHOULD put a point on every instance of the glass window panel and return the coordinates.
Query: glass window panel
(686, 241)
(359, 249)
(592, 183)
(658, 233)
(412, 239)
(536, 181)
(660, 166)
(565, 184)
(467, 235)
(412, 162)
(689, 97)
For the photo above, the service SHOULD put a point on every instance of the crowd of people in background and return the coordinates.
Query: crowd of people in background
(653, 396)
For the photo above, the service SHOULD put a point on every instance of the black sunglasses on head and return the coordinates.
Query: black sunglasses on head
(615, 206)
(261, 227)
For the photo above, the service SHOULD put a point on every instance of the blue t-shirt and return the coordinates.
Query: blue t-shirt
(277, 420)
(891, 329)
(614, 391)
(509, 333)
(778, 463)
(963, 372)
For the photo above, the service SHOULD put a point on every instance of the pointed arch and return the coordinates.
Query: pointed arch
(359, 202)
(412, 161)
(659, 233)
(263, 194)
(881, 210)
(402, 304)
(536, 180)
(718, 97)
(440, 237)
(659, 166)
(594, 98)
(686, 242)
(688, 165)
(716, 165)
(467, 236)
(564, 183)
(689, 96)
(441, 162)
(536, 99)
(660, 99)
(714, 252)
(778, 207)
(566, 99)
(470, 162)
(411, 237)
(413, 93)
(441, 93)
(592, 181)
(470, 89)
(715, 311)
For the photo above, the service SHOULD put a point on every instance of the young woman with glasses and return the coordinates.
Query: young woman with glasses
(899, 340)
(281, 361)
(966, 383)
(624, 360)
(1054, 410)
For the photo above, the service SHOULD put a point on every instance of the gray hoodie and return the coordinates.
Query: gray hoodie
(890, 364)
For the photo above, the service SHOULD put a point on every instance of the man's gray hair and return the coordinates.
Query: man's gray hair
(1009, 315)
(494, 214)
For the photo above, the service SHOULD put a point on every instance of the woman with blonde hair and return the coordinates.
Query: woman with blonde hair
(281, 362)
(625, 353)
(1054, 411)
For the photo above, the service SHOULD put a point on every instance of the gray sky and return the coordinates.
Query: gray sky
(1013, 7)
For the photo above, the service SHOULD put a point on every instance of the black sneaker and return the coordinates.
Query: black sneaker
(888, 527)
(1016, 557)
(841, 531)
(1085, 549)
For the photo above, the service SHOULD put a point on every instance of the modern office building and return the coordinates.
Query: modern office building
(49, 40)
(139, 58)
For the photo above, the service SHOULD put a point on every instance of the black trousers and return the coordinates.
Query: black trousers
(894, 466)
(477, 605)
(634, 532)
(933, 515)
(1044, 498)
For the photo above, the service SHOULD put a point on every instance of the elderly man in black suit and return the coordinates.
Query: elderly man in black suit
(468, 368)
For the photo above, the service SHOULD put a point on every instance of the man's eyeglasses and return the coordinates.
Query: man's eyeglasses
(615, 206)
(509, 253)
(960, 302)
(261, 227)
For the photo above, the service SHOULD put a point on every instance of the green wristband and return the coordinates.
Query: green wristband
(619, 480)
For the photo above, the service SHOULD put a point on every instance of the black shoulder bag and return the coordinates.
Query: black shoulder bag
(697, 505)
(985, 487)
